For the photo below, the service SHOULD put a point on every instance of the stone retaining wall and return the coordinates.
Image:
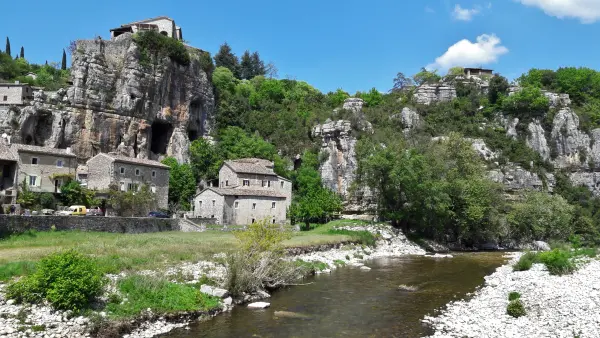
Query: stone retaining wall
(130, 225)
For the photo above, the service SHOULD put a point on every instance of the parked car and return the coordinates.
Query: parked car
(158, 214)
(47, 212)
(74, 210)
(94, 211)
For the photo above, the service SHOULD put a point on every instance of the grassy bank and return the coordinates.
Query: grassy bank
(118, 252)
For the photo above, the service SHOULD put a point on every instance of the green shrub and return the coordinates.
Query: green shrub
(154, 45)
(159, 295)
(515, 308)
(558, 262)
(362, 237)
(68, 280)
(339, 262)
(525, 262)
(12, 269)
(514, 296)
(311, 267)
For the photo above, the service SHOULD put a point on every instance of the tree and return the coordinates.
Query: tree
(246, 70)
(372, 98)
(258, 66)
(456, 71)
(26, 197)
(498, 87)
(226, 58)
(312, 202)
(132, 203)
(182, 183)
(72, 193)
(22, 54)
(7, 50)
(529, 103)
(205, 160)
(271, 70)
(426, 77)
(401, 81)
(63, 64)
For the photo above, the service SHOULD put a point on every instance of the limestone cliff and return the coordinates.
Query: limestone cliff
(116, 103)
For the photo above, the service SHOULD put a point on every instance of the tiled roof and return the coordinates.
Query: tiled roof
(43, 150)
(246, 192)
(251, 166)
(147, 20)
(131, 160)
(7, 153)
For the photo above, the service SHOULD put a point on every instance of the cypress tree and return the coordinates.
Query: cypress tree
(258, 66)
(63, 64)
(7, 50)
(22, 56)
(246, 69)
(226, 58)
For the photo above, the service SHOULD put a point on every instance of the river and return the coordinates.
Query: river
(354, 303)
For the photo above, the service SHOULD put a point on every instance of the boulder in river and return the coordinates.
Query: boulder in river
(259, 305)
(214, 291)
(541, 246)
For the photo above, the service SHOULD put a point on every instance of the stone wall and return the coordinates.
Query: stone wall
(129, 225)
(14, 94)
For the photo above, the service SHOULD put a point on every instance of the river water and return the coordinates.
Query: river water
(353, 303)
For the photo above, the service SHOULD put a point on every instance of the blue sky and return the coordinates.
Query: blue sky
(349, 44)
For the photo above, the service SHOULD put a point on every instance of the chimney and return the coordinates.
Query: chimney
(68, 150)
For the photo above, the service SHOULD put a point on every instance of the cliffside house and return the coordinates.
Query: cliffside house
(44, 169)
(161, 24)
(249, 191)
(129, 174)
(8, 174)
(478, 72)
(15, 93)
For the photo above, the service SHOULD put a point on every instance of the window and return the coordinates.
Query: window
(199, 204)
(212, 216)
(129, 186)
(34, 160)
(153, 173)
(282, 184)
(122, 186)
(269, 184)
(253, 221)
(226, 183)
(246, 183)
(32, 180)
(273, 220)
(236, 204)
(59, 163)
(214, 202)
(153, 189)
(122, 170)
(264, 183)
(5, 98)
(272, 205)
(253, 206)
(137, 172)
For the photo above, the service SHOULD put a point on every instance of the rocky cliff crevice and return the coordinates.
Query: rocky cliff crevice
(119, 104)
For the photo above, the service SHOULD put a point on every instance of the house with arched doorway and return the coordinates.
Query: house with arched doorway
(161, 24)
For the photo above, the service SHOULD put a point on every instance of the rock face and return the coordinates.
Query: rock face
(427, 94)
(117, 103)
(514, 178)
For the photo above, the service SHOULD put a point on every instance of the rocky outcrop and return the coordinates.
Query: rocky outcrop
(514, 178)
(536, 139)
(427, 94)
(117, 103)
(572, 145)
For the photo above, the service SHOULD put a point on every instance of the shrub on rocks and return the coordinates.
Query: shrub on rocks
(516, 308)
(525, 262)
(514, 296)
(68, 280)
(558, 262)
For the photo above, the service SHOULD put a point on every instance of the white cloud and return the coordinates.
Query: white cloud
(588, 11)
(487, 49)
(465, 14)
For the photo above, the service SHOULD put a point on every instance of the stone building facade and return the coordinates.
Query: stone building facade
(161, 24)
(129, 174)
(44, 169)
(15, 93)
(249, 191)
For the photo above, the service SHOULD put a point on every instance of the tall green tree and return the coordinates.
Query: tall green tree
(498, 87)
(7, 49)
(22, 53)
(63, 64)
(258, 66)
(205, 160)
(246, 66)
(182, 184)
(226, 58)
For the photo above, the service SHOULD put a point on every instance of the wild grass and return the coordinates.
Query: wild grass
(559, 261)
(159, 295)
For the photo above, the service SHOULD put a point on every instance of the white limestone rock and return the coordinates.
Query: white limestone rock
(259, 305)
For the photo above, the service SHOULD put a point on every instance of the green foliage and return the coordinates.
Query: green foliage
(516, 308)
(514, 296)
(26, 198)
(47, 200)
(372, 98)
(401, 82)
(132, 203)
(525, 262)
(339, 262)
(63, 63)
(361, 237)
(205, 160)
(262, 236)
(68, 280)
(558, 262)
(182, 183)
(251, 65)
(159, 295)
(337, 98)
(582, 84)
(7, 49)
(12, 269)
(528, 103)
(312, 267)
(72, 193)
(312, 202)
(154, 46)
(225, 58)
(541, 216)
(426, 77)
(498, 88)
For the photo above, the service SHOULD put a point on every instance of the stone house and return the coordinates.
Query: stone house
(249, 191)
(44, 169)
(8, 174)
(478, 72)
(129, 174)
(15, 93)
(161, 24)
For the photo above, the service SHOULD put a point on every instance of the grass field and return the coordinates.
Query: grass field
(118, 252)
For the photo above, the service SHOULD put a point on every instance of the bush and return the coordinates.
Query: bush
(515, 308)
(310, 268)
(154, 45)
(514, 296)
(159, 295)
(68, 280)
(558, 262)
(362, 237)
(525, 262)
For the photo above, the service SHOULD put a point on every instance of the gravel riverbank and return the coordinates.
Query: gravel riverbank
(557, 306)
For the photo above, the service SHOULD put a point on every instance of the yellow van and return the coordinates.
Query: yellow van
(74, 210)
